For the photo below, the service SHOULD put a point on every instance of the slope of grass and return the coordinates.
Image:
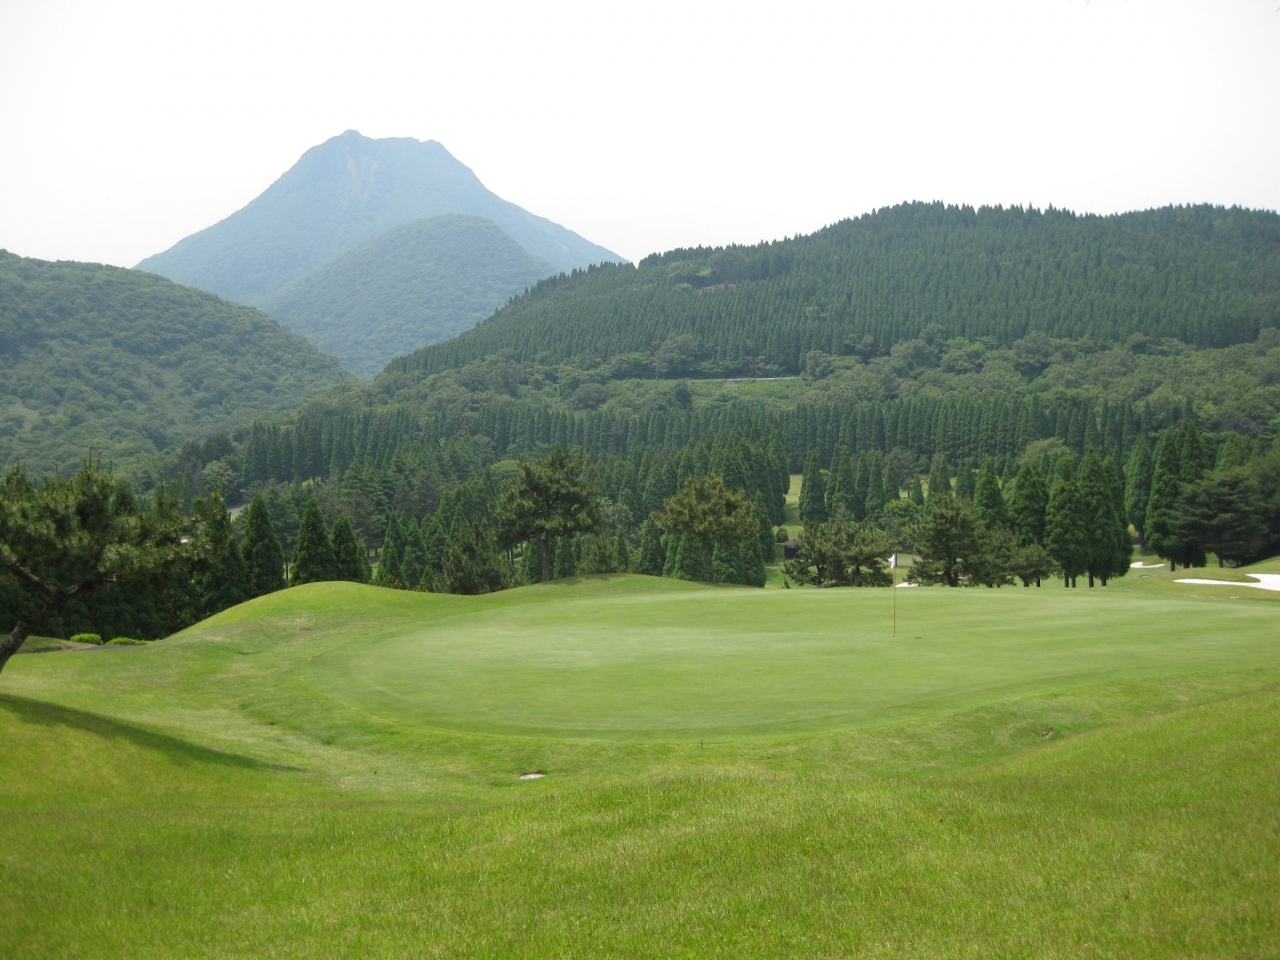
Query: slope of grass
(333, 771)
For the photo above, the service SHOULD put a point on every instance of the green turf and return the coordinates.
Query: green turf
(333, 771)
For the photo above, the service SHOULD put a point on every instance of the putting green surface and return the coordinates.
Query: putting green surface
(334, 771)
(733, 662)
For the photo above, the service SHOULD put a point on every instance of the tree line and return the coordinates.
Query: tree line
(1202, 275)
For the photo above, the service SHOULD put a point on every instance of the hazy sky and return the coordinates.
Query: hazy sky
(128, 125)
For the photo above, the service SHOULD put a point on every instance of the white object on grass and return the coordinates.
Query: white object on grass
(1139, 565)
(532, 776)
(1269, 581)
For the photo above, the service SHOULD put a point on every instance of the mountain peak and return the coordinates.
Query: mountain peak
(340, 194)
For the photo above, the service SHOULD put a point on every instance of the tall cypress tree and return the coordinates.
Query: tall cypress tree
(1028, 505)
(531, 562)
(261, 551)
(313, 559)
(1193, 462)
(939, 479)
(1066, 536)
(989, 499)
(1137, 487)
(1160, 525)
(876, 496)
(652, 557)
(226, 582)
(388, 572)
(1097, 487)
(348, 556)
(813, 497)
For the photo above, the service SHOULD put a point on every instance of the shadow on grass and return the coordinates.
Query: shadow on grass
(177, 750)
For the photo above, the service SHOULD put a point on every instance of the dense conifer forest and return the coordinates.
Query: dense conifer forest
(1204, 276)
(127, 363)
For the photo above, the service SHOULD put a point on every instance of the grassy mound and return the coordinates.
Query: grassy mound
(334, 770)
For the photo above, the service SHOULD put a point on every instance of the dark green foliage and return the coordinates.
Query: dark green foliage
(387, 573)
(712, 514)
(1223, 514)
(1028, 505)
(413, 285)
(225, 582)
(652, 558)
(1193, 463)
(350, 561)
(1137, 491)
(939, 479)
(1066, 523)
(990, 500)
(1032, 563)
(531, 562)
(130, 364)
(685, 560)
(471, 566)
(564, 563)
(952, 545)
(313, 560)
(965, 485)
(263, 557)
(548, 499)
(842, 553)
(60, 541)
(1203, 275)
(341, 193)
(812, 504)
(1108, 547)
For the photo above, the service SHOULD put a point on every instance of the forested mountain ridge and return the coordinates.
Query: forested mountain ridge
(413, 285)
(128, 363)
(341, 193)
(1205, 276)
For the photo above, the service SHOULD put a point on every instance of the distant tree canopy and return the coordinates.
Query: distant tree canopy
(64, 538)
(129, 364)
(1201, 275)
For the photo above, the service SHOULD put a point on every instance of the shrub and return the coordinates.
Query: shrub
(126, 642)
(86, 638)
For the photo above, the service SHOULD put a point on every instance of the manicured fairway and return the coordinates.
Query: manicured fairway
(334, 771)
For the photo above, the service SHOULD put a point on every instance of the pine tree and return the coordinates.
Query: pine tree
(1066, 536)
(565, 562)
(915, 493)
(1160, 525)
(621, 551)
(652, 558)
(964, 482)
(261, 551)
(388, 572)
(348, 556)
(990, 500)
(813, 498)
(226, 582)
(1137, 490)
(313, 559)
(1028, 505)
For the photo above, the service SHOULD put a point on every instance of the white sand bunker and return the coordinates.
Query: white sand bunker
(1139, 565)
(532, 776)
(1268, 581)
(906, 583)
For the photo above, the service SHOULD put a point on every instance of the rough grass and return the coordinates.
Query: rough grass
(333, 771)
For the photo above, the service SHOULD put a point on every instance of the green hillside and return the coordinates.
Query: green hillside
(337, 768)
(1204, 276)
(417, 284)
(129, 363)
(341, 193)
